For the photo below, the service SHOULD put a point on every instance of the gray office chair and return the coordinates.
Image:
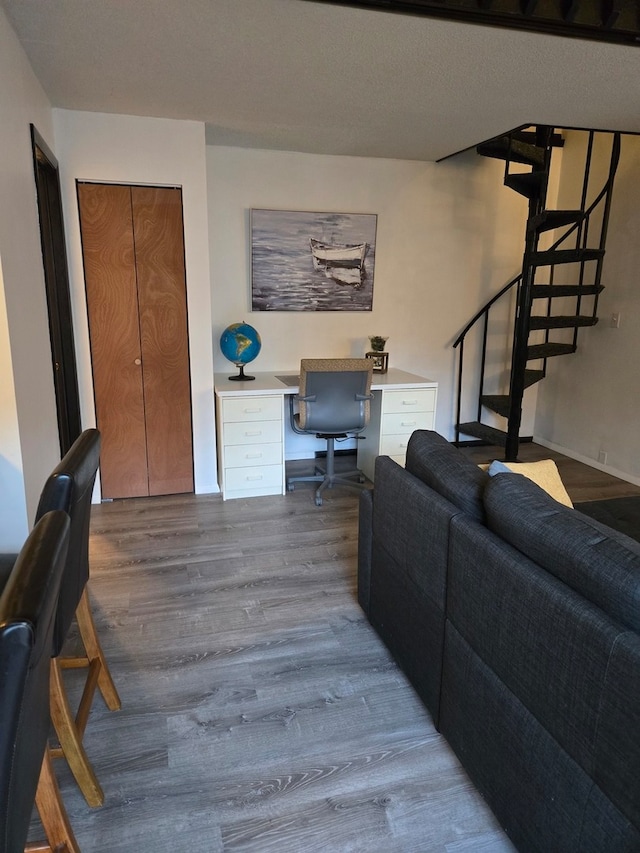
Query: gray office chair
(334, 403)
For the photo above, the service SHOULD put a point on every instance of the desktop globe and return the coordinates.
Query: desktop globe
(240, 343)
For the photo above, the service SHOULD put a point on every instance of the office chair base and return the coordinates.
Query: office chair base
(328, 479)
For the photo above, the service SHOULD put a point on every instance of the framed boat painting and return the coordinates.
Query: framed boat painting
(302, 261)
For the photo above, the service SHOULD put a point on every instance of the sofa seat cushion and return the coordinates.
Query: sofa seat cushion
(599, 563)
(440, 465)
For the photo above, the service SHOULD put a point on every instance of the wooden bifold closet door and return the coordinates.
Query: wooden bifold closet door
(133, 250)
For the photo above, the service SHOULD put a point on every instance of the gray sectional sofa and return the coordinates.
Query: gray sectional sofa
(518, 622)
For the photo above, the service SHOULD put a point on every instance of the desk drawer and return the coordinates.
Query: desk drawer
(247, 455)
(394, 445)
(253, 478)
(406, 423)
(411, 400)
(245, 409)
(253, 432)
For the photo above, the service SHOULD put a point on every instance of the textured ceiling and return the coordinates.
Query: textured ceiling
(311, 77)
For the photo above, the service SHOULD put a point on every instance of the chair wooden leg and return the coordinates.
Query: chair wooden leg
(94, 651)
(71, 746)
(53, 814)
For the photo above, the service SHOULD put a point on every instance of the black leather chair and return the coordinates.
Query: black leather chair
(28, 603)
(69, 488)
(334, 403)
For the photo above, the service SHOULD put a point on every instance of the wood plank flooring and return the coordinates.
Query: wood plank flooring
(581, 481)
(260, 710)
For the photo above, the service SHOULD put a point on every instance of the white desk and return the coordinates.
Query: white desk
(250, 424)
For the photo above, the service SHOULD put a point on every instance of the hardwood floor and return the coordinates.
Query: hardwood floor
(260, 710)
(581, 481)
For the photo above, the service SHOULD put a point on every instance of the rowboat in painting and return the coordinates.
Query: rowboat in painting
(328, 255)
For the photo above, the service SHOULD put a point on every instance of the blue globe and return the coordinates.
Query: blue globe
(240, 343)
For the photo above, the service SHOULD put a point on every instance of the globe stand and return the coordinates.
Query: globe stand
(241, 377)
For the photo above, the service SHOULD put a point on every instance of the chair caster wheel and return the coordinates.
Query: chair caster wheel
(290, 487)
(362, 478)
(318, 501)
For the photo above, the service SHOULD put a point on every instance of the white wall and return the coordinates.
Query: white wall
(590, 401)
(127, 149)
(449, 236)
(29, 446)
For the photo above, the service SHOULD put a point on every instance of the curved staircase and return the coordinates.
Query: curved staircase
(579, 248)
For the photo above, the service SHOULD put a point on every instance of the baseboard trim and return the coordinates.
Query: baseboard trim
(478, 442)
(592, 463)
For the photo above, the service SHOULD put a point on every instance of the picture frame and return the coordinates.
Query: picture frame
(312, 261)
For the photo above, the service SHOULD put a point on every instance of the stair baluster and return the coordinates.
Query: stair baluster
(535, 150)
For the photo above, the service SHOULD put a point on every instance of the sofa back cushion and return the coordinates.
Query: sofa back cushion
(440, 465)
(595, 561)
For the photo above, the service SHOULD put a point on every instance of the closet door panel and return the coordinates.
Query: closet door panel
(112, 304)
(159, 252)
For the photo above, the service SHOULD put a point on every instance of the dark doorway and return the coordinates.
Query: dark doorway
(56, 279)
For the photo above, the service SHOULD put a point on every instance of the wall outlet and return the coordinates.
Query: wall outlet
(615, 320)
(602, 457)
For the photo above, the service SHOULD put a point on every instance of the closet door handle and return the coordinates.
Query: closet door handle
(137, 361)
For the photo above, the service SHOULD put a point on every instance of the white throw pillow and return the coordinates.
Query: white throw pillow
(543, 473)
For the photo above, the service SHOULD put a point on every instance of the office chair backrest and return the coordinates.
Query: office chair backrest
(334, 394)
(69, 488)
(27, 616)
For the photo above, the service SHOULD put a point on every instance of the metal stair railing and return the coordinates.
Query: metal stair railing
(581, 230)
(459, 342)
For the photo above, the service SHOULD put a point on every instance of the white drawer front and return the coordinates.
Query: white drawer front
(245, 455)
(400, 460)
(406, 422)
(394, 445)
(411, 400)
(254, 432)
(252, 409)
(257, 477)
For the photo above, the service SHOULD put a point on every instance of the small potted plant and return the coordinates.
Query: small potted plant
(378, 342)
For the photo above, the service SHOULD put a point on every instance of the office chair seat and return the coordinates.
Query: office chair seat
(334, 403)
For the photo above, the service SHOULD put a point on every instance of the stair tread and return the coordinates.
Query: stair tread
(549, 219)
(548, 350)
(544, 291)
(527, 184)
(570, 321)
(532, 376)
(518, 151)
(556, 140)
(498, 403)
(487, 433)
(550, 257)
(501, 403)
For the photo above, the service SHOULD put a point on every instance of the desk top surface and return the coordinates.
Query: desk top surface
(268, 383)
